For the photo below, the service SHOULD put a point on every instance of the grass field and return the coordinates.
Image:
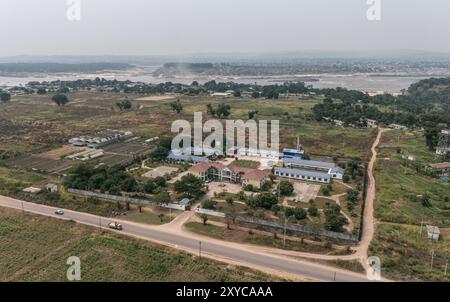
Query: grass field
(405, 255)
(246, 164)
(35, 248)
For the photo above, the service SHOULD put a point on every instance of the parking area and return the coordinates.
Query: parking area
(304, 192)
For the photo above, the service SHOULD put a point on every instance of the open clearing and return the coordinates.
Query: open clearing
(155, 98)
(36, 248)
(405, 253)
(58, 153)
(304, 192)
(160, 171)
(218, 187)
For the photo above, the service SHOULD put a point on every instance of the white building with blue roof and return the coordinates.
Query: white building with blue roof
(334, 170)
(303, 175)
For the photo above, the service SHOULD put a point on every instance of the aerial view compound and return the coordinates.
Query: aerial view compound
(237, 151)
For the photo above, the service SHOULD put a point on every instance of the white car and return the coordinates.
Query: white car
(115, 226)
(59, 212)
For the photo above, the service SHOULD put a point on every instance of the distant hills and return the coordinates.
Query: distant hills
(14, 68)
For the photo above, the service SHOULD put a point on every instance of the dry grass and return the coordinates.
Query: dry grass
(35, 248)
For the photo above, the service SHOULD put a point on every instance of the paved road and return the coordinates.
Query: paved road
(222, 251)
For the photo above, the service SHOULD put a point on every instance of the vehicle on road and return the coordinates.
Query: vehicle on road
(115, 226)
(59, 212)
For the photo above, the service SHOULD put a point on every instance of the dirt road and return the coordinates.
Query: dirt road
(369, 221)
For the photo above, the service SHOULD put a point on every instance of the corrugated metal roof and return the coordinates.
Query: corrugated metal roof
(195, 159)
(303, 172)
(310, 163)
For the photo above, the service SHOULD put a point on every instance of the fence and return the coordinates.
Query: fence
(209, 212)
(297, 229)
(137, 201)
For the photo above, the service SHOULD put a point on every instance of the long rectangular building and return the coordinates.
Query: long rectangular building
(317, 166)
(303, 175)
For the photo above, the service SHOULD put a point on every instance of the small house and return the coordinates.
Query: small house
(51, 188)
(32, 190)
(433, 232)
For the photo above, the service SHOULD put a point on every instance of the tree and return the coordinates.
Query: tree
(124, 105)
(160, 181)
(352, 196)
(299, 213)
(5, 97)
(286, 188)
(41, 91)
(251, 114)
(150, 187)
(334, 220)
(60, 99)
(223, 110)
(237, 93)
(210, 110)
(159, 153)
(204, 218)
(431, 137)
(208, 204)
(190, 185)
(256, 95)
(176, 106)
(313, 211)
(305, 156)
(230, 201)
(264, 200)
(162, 197)
(426, 201)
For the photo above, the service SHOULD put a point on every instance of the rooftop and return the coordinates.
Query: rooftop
(444, 165)
(193, 158)
(303, 172)
(309, 163)
(431, 229)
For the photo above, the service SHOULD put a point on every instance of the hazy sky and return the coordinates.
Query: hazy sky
(146, 27)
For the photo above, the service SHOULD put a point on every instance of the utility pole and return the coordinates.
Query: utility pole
(334, 277)
(200, 249)
(23, 208)
(432, 259)
(286, 219)
(421, 226)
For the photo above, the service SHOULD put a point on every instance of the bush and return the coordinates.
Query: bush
(426, 201)
(209, 204)
(286, 188)
(346, 178)
(299, 214)
(160, 181)
(313, 211)
(264, 200)
(276, 208)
